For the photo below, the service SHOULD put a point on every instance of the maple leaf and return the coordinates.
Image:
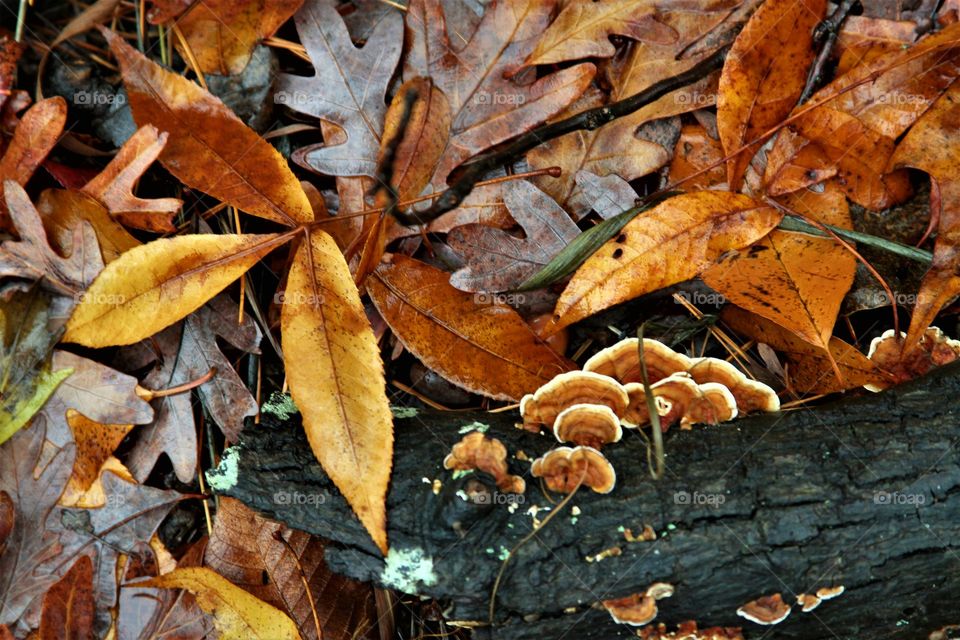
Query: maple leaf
(499, 261)
(244, 547)
(31, 550)
(348, 89)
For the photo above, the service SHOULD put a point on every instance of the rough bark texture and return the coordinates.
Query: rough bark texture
(862, 492)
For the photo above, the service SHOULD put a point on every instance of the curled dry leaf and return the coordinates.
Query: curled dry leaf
(499, 261)
(670, 243)
(795, 279)
(222, 34)
(460, 335)
(348, 88)
(237, 614)
(932, 146)
(244, 548)
(209, 148)
(68, 606)
(113, 187)
(336, 379)
(584, 27)
(764, 75)
(152, 286)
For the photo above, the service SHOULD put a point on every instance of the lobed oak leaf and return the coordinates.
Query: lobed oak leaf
(95, 443)
(764, 75)
(244, 548)
(152, 286)
(584, 27)
(222, 34)
(460, 335)
(348, 88)
(336, 379)
(499, 261)
(237, 614)
(670, 243)
(113, 187)
(208, 147)
(64, 211)
(797, 280)
(68, 605)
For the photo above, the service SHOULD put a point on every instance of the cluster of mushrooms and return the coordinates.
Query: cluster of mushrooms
(589, 409)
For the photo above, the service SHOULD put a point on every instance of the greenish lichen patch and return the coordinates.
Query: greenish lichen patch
(224, 477)
(474, 426)
(280, 405)
(407, 569)
(404, 412)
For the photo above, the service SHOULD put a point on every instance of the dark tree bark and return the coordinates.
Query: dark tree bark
(862, 492)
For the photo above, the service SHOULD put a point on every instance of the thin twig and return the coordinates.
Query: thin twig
(826, 33)
(656, 471)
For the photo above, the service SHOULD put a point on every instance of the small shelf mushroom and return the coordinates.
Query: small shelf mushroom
(766, 610)
(562, 468)
(567, 389)
(621, 361)
(935, 350)
(750, 395)
(829, 593)
(638, 609)
(808, 602)
(476, 451)
(679, 398)
(591, 425)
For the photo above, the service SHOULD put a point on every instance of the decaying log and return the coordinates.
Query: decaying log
(863, 493)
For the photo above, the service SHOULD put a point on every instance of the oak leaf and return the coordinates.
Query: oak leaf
(460, 335)
(237, 614)
(670, 243)
(336, 379)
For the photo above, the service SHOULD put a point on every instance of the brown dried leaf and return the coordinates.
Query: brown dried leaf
(499, 261)
(95, 443)
(670, 243)
(68, 605)
(460, 336)
(245, 550)
(64, 211)
(763, 76)
(209, 148)
(113, 187)
(336, 379)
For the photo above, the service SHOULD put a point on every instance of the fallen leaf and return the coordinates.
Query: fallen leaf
(245, 550)
(462, 336)
(31, 549)
(810, 368)
(764, 75)
(696, 150)
(63, 212)
(931, 146)
(670, 243)
(113, 187)
(35, 136)
(336, 379)
(95, 442)
(348, 88)
(68, 605)
(864, 39)
(499, 261)
(222, 34)
(209, 148)
(795, 279)
(237, 614)
(584, 27)
(152, 286)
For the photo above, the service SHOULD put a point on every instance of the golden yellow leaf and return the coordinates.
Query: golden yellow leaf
(336, 379)
(237, 615)
(670, 243)
(152, 286)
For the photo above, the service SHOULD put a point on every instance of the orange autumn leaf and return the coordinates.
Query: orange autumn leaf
(236, 614)
(68, 606)
(462, 336)
(209, 148)
(152, 286)
(668, 244)
(336, 379)
(932, 146)
(764, 75)
(794, 279)
(95, 443)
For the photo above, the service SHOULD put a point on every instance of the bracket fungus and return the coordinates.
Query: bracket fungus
(808, 602)
(934, 350)
(679, 398)
(591, 425)
(766, 610)
(621, 361)
(562, 468)
(750, 395)
(829, 593)
(638, 609)
(542, 407)
(476, 451)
